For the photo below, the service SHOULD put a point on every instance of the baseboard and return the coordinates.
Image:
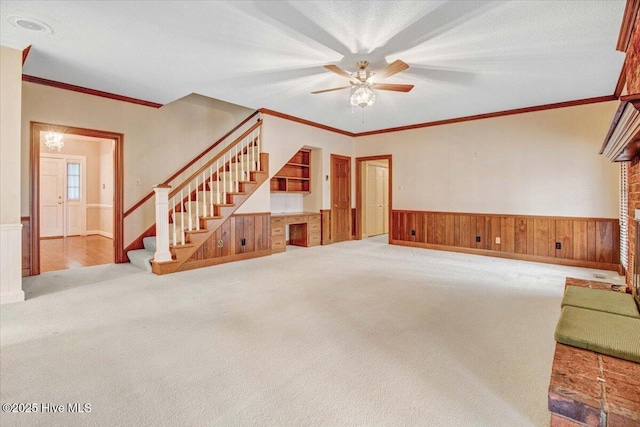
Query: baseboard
(100, 233)
(222, 260)
(509, 255)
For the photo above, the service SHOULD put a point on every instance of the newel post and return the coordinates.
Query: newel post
(162, 223)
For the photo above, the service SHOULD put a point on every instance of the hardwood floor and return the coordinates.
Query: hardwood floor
(73, 252)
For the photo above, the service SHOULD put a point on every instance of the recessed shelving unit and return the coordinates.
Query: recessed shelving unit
(295, 175)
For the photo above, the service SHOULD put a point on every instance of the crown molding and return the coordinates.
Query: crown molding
(74, 88)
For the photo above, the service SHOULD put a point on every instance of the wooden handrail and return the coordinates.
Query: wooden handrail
(212, 161)
(188, 165)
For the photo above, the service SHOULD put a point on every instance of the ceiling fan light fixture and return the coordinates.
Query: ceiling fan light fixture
(362, 97)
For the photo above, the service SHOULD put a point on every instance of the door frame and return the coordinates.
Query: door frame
(34, 193)
(359, 198)
(83, 181)
(332, 171)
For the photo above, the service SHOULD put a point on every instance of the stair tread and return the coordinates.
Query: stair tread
(202, 230)
(186, 245)
(141, 258)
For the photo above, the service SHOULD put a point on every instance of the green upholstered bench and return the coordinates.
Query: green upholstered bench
(600, 300)
(606, 333)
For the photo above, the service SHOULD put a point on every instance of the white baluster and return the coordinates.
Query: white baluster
(210, 190)
(259, 150)
(248, 159)
(218, 181)
(188, 204)
(241, 163)
(197, 207)
(173, 206)
(224, 178)
(236, 169)
(181, 217)
(253, 155)
(204, 191)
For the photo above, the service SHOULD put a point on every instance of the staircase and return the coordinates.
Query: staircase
(196, 208)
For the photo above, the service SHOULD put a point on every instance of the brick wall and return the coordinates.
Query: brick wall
(633, 199)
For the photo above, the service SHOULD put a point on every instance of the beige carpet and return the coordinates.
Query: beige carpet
(357, 333)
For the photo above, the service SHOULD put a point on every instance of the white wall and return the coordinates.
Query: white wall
(157, 142)
(282, 139)
(540, 163)
(10, 225)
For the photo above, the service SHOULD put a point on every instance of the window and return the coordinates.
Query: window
(73, 181)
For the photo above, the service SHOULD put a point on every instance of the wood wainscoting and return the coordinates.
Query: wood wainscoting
(581, 242)
(242, 236)
(26, 245)
(325, 228)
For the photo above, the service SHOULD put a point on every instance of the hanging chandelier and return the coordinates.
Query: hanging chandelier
(54, 141)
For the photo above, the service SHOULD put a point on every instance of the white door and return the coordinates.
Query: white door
(75, 203)
(52, 194)
(376, 200)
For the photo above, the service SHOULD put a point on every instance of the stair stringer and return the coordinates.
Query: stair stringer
(196, 238)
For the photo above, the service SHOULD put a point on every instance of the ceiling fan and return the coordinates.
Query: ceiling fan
(362, 82)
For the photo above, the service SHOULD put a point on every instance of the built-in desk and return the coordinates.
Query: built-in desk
(304, 230)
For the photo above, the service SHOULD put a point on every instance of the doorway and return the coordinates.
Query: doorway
(373, 196)
(340, 198)
(63, 195)
(76, 198)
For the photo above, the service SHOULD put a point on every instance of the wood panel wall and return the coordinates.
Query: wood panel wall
(326, 226)
(586, 242)
(26, 245)
(242, 236)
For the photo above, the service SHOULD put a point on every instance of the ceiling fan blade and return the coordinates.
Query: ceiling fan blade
(393, 87)
(391, 69)
(330, 90)
(339, 71)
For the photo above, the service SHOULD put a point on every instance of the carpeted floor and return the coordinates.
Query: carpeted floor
(356, 333)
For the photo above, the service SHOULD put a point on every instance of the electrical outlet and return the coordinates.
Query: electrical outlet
(413, 232)
(497, 240)
(243, 242)
(138, 182)
(478, 239)
(558, 245)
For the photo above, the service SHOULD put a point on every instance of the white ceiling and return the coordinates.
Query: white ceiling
(465, 57)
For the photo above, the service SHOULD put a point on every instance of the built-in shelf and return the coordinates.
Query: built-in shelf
(295, 175)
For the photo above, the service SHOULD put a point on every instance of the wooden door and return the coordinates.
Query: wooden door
(52, 196)
(340, 198)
